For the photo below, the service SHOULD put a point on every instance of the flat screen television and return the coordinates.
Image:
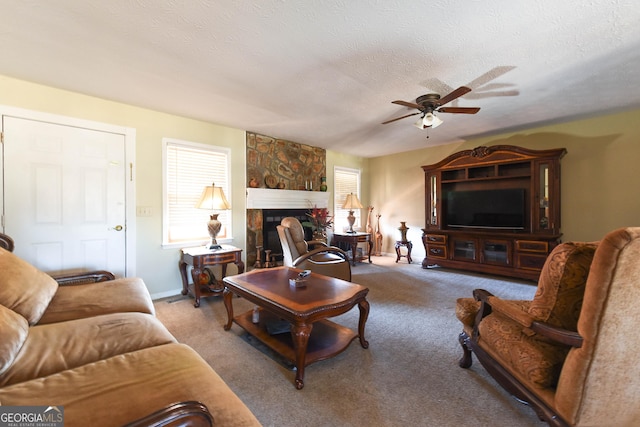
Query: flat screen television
(492, 209)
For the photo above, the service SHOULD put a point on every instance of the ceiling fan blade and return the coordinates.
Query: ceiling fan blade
(453, 95)
(398, 118)
(407, 104)
(459, 110)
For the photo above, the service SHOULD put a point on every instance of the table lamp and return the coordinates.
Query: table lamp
(351, 203)
(213, 198)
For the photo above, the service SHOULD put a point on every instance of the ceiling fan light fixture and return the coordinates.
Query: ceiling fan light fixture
(419, 124)
(431, 120)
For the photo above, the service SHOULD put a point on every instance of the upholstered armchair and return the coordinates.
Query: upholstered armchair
(570, 352)
(320, 258)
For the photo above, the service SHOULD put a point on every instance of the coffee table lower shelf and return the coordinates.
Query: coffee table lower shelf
(326, 339)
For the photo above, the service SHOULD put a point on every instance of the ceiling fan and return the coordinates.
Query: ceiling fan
(432, 102)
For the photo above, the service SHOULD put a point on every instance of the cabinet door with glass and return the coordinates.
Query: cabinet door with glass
(546, 209)
(464, 249)
(432, 202)
(496, 251)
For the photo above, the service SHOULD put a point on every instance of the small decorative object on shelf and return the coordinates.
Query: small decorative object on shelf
(280, 185)
(403, 231)
(323, 183)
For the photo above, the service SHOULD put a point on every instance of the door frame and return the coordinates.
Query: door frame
(130, 151)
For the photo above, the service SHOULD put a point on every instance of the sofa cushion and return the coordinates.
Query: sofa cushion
(129, 386)
(13, 333)
(536, 360)
(23, 288)
(93, 299)
(560, 292)
(55, 347)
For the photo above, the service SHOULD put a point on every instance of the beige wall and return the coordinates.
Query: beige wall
(600, 177)
(157, 266)
(600, 173)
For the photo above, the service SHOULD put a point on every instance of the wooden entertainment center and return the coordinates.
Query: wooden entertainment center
(514, 240)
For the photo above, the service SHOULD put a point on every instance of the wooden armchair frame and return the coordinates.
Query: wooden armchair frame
(496, 370)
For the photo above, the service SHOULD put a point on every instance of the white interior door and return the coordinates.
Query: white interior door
(64, 195)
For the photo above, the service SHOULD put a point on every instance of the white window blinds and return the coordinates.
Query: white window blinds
(189, 167)
(345, 181)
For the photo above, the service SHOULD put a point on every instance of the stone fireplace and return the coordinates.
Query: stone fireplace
(283, 179)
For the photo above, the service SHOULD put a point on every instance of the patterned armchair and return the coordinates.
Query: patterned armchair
(568, 352)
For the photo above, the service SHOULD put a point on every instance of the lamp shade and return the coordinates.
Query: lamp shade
(352, 202)
(213, 198)
(431, 120)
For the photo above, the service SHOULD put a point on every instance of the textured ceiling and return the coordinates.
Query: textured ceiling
(324, 73)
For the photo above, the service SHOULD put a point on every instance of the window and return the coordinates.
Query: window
(345, 181)
(188, 168)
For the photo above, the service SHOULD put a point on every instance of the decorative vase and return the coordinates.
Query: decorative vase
(323, 183)
(403, 231)
(320, 235)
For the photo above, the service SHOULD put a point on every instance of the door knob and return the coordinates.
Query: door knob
(118, 228)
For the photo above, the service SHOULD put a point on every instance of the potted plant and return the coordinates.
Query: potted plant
(319, 221)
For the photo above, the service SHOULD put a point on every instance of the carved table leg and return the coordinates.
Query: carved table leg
(227, 297)
(370, 250)
(363, 306)
(354, 251)
(300, 334)
(195, 275)
(182, 266)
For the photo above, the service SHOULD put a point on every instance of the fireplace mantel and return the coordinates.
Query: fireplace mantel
(266, 198)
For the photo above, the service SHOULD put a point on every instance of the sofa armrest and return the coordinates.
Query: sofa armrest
(183, 414)
(84, 278)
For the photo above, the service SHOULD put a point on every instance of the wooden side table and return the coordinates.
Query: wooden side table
(407, 244)
(353, 239)
(199, 257)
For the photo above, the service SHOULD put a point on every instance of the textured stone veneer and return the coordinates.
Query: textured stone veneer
(295, 165)
(290, 163)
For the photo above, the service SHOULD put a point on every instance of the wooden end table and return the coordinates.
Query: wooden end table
(311, 337)
(353, 239)
(201, 256)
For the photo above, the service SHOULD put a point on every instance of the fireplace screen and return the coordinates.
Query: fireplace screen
(272, 218)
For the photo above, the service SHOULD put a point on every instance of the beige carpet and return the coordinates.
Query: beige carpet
(409, 376)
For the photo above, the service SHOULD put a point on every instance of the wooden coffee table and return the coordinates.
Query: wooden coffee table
(306, 309)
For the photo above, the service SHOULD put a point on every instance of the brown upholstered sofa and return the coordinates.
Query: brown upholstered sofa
(98, 351)
(570, 352)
